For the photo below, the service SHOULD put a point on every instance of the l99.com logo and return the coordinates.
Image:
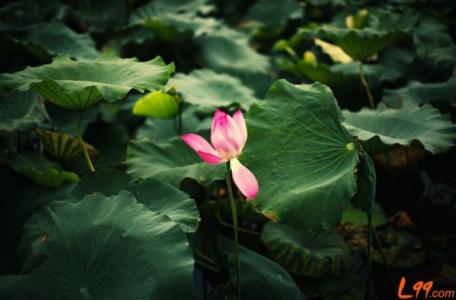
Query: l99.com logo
(422, 288)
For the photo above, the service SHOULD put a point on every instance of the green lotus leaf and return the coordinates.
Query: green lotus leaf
(20, 111)
(99, 16)
(227, 50)
(108, 182)
(359, 44)
(40, 170)
(261, 278)
(170, 161)
(274, 12)
(434, 44)
(209, 89)
(303, 157)
(79, 84)
(156, 195)
(102, 248)
(50, 39)
(173, 20)
(166, 199)
(402, 126)
(419, 93)
(303, 253)
(156, 104)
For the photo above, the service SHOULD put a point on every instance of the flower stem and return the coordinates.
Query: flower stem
(179, 118)
(83, 146)
(235, 230)
(366, 85)
(369, 263)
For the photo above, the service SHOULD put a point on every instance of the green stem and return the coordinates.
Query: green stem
(179, 118)
(382, 253)
(369, 262)
(235, 230)
(366, 85)
(83, 146)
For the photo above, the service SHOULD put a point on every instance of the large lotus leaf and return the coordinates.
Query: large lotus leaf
(359, 44)
(101, 15)
(208, 89)
(402, 126)
(103, 248)
(303, 157)
(108, 182)
(307, 254)
(261, 278)
(20, 111)
(274, 12)
(79, 84)
(224, 49)
(158, 196)
(19, 15)
(170, 161)
(434, 44)
(419, 93)
(41, 170)
(173, 20)
(57, 39)
(166, 199)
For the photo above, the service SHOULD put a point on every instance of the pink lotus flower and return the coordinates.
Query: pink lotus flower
(228, 138)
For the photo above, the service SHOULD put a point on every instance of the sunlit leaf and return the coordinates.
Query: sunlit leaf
(79, 84)
(335, 52)
(303, 157)
(156, 104)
